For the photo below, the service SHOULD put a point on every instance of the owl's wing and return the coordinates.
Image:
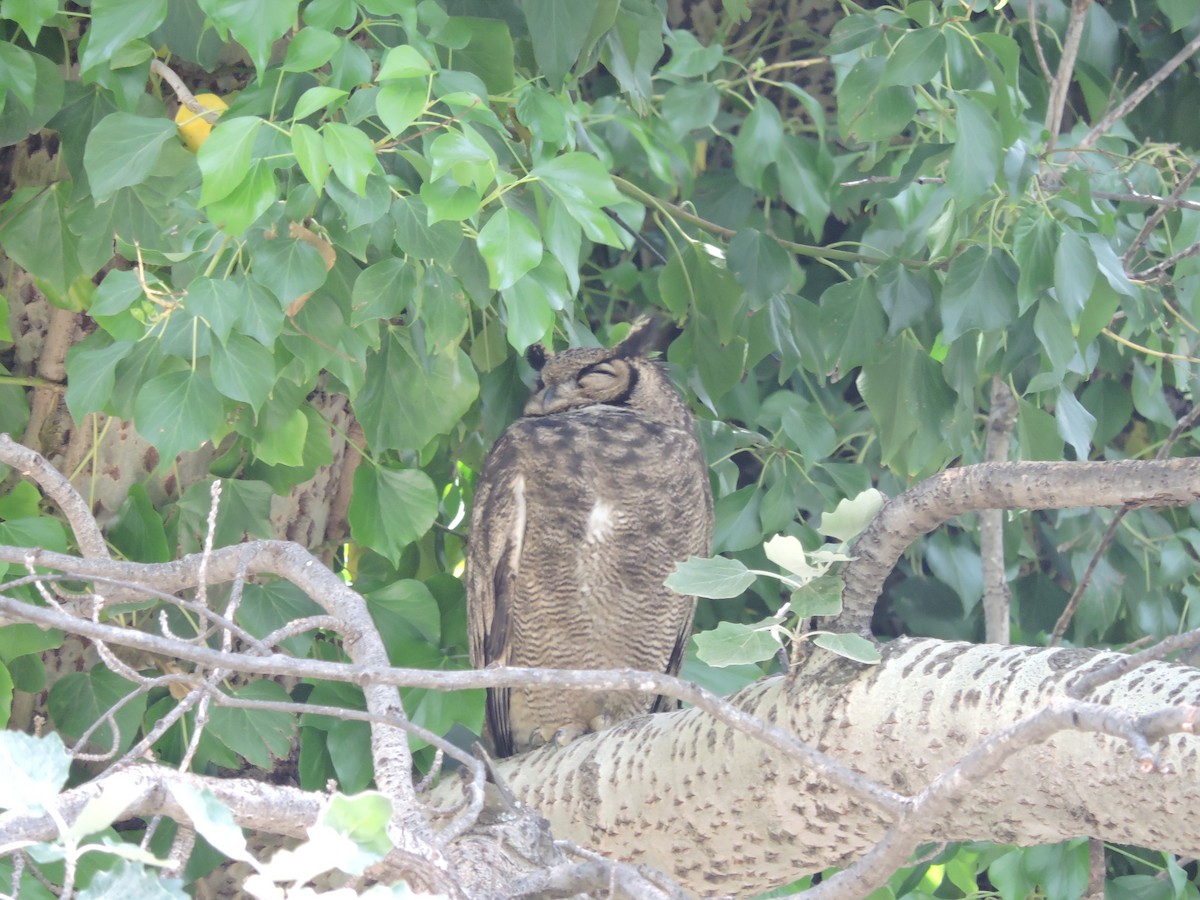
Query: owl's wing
(493, 561)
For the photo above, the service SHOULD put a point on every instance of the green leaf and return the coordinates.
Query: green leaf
(441, 310)
(115, 23)
(310, 154)
(133, 878)
(35, 771)
(689, 57)
(1054, 332)
(820, 597)
(849, 646)
(363, 818)
(805, 174)
(284, 444)
(249, 201)
(1035, 239)
(852, 323)
(215, 301)
(399, 103)
(632, 48)
(350, 153)
(979, 293)
(261, 736)
(30, 15)
(212, 819)
(760, 265)
(309, 48)
(34, 233)
(21, 502)
(913, 406)
(584, 186)
(487, 52)
(243, 369)
(544, 114)
(868, 110)
(1075, 424)
(449, 201)
(408, 399)
(23, 640)
(405, 610)
(91, 373)
(273, 605)
(18, 74)
(177, 411)
(225, 157)
(315, 98)
(80, 699)
(690, 107)
(416, 237)
(754, 147)
(732, 644)
(404, 61)
(510, 246)
(916, 57)
(558, 29)
(290, 267)
(137, 531)
(49, 89)
(391, 508)
(977, 153)
(465, 155)
(852, 515)
(1074, 273)
(382, 291)
(693, 279)
(255, 24)
(716, 578)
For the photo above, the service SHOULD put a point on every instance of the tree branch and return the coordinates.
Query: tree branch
(1060, 85)
(997, 599)
(1027, 485)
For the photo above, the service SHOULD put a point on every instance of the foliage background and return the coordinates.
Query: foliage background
(404, 196)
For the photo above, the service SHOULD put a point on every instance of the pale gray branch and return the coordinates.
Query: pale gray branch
(1012, 485)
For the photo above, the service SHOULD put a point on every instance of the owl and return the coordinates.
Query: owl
(582, 509)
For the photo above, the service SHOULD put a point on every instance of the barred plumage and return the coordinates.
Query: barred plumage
(583, 508)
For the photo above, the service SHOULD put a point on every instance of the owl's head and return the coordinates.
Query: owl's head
(621, 377)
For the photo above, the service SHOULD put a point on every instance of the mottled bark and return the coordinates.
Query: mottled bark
(723, 814)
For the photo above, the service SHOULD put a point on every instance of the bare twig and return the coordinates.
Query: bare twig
(1060, 84)
(1037, 43)
(1153, 220)
(1091, 679)
(182, 92)
(1143, 90)
(52, 482)
(375, 677)
(1068, 613)
(1157, 269)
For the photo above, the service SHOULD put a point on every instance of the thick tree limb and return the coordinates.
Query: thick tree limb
(721, 813)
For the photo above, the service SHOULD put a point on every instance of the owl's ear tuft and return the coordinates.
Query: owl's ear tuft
(535, 355)
(642, 338)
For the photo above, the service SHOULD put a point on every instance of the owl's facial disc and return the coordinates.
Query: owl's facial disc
(606, 381)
